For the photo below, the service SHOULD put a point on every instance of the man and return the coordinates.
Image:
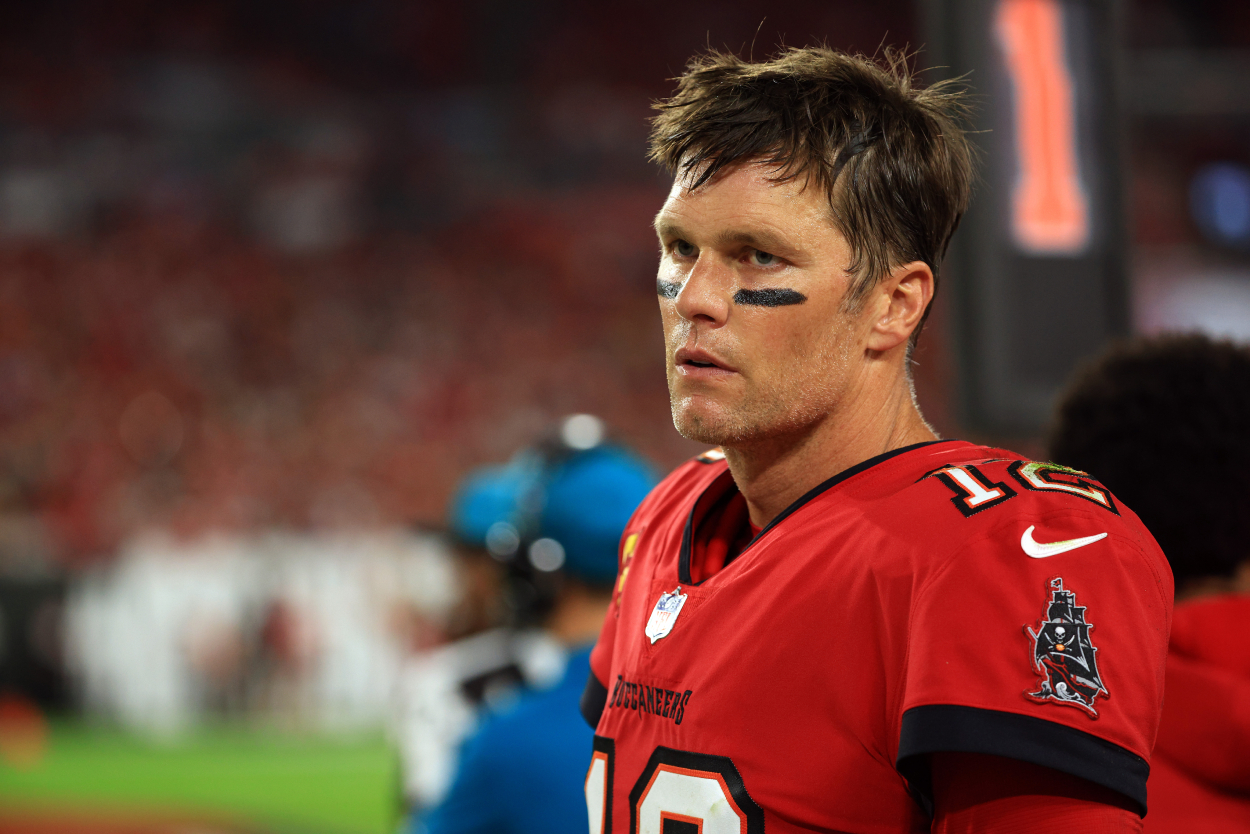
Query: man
(1166, 423)
(558, 516)
(836, 621)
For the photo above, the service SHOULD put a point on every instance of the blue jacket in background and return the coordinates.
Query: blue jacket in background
(524, 770)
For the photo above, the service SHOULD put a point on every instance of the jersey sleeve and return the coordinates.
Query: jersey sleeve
(1041, 639)
(595, 695)
(974, 794)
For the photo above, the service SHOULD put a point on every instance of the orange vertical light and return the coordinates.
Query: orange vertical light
(1049, 208)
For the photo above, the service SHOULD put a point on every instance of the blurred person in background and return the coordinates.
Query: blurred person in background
(487, 649)
(553, 517)
(1165, 423)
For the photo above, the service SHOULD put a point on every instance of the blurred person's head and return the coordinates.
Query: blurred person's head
(819, 182)
(554, 516)
(1165, 424)
(480, 508)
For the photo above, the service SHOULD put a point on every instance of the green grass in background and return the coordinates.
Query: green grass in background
(265, 778)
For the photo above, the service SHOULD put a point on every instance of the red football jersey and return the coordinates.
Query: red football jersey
(940, 597)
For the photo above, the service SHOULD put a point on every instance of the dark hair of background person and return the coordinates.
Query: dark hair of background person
(829, 117)
(1164, 423)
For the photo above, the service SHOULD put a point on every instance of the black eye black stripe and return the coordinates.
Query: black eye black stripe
(769, 298)
(758, 298)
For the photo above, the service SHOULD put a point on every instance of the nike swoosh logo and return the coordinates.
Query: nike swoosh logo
(1040, 550)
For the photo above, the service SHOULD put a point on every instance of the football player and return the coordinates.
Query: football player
(835, 620)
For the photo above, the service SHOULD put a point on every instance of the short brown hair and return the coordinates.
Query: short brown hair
(819, 114)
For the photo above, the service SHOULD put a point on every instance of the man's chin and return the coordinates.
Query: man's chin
(705, 422)
(703, 426)
(699, 433)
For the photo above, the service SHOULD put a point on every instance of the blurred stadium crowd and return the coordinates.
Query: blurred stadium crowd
(232, 299)
(172, 374)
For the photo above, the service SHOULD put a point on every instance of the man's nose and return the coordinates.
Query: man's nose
(706, 292)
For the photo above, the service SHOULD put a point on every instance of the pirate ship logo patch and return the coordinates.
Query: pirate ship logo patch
(1063, 655)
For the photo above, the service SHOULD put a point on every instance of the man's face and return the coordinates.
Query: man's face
(751, 281)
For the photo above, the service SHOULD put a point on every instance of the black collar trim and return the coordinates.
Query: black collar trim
(687, 536)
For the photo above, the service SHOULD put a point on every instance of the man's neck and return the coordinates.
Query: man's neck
(773, 473)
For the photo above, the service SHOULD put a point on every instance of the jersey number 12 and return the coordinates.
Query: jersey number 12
(678, 792)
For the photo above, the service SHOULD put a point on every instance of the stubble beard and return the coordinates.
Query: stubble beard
(724, 429)
(789, 409)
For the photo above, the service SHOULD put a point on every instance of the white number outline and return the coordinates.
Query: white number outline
(604, 751)
(974, 491)
(666, 760)
(1040, 477)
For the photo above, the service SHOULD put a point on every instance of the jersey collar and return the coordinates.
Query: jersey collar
(724, 482)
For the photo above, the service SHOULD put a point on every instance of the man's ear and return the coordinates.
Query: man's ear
(899, 302)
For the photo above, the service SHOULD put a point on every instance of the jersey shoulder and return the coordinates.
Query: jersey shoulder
(1003, 483)
(1038, 505)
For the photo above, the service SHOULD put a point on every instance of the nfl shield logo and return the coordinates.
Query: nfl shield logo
(665, 614)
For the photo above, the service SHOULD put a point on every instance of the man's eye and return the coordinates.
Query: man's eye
(684, 249)
(759, 258)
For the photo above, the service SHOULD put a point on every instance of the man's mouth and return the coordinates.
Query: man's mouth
(697, 358)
